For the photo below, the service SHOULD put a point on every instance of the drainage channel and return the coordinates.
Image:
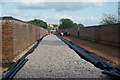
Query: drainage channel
(20, 63)
(106, 67)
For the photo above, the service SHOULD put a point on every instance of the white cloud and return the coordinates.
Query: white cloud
(60, 0)
(12, 12)
(0, 9)
(15, 12)
(59, 6)
(88, 20)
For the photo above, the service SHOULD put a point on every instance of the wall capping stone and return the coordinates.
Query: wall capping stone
(11, 18)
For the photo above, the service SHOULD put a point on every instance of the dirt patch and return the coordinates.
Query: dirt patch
(108, 52)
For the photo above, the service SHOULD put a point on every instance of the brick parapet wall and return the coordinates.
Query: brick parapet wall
(105, 34)
(108, 34)
(17, 36)
(7, 40)
(0, 41)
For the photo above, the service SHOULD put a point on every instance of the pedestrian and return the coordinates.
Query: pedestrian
(62, 33)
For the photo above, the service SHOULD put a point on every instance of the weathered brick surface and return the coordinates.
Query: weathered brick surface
(17, 36)
(7, 40)
(108, 34)
(87, 33)
(0, 41)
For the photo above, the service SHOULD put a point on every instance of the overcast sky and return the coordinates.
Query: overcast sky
(87, 13)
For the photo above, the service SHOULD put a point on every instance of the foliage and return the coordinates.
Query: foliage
(108, 19)
(39, 23)
(67, 23)
(80, 25)
(52, 28)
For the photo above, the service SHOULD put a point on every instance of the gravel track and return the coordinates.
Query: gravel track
(54, 59)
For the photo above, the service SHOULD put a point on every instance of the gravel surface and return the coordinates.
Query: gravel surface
(54, 59)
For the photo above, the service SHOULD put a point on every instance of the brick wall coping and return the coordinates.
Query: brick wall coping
(11, 18)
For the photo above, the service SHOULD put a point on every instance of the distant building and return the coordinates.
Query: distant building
(119, 11)
(53, 25)
(50, 25)
(52, 28)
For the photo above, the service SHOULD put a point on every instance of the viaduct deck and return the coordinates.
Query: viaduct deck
(54, 59)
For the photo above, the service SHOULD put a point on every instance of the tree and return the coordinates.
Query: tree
(66, 23)
(43, 24)
(39, 23)
(108, 19)
(75, 25)
(80, 25)
(52, 28)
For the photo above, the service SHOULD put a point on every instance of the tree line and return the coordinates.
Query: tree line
(68, 23)
(39, 23)
(108, 19)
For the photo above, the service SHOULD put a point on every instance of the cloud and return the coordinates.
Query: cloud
(12, 12)
(86, 20)
(15, 12)
(0, 9)
(59, 0)
(59, 6)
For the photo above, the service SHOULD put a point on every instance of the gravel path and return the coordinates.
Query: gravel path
(54, 59)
